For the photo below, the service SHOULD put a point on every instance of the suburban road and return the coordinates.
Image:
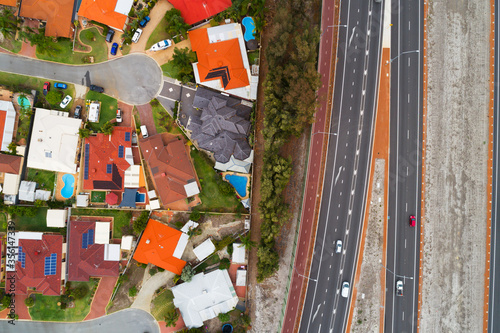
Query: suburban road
(405, 166)
(343, 201)
(125, 321)
(134, 79)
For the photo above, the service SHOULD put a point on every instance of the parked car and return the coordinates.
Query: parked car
(119, 118)
(93, 87)
(144, 22)
(338, 246)
(78, 112)
(65, 101)
(399, 288)
(109, 36)
(60, 85)
(114, 47)
(46, 88)
(144, 131)
(413, 220)
(345, 289)
(137, 35)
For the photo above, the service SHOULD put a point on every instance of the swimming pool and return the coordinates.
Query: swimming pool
(23, 102)
(140, 197)
(239, 183)
(249, 25)
(69, 186)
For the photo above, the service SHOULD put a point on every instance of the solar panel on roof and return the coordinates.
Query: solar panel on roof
(127, 136)
(90, 237)
(50, 264)
(84, 241)
(121, 150)
(109, 168)
(21, 257)
(86, 171)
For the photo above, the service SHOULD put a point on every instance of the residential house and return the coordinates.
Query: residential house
(113, 13)
(195, 11)
(170, 167)
(162, 246)
(205, 297)
(10, 176)
(58, 15)
(7, 123)
(11, 3)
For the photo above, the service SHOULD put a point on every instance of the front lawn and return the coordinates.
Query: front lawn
(46, 308)
(11, 44)
(159, 34)
(108, 108)
(122, 218)
(36, 223)
(170, 70)
(98, 196)
(44, 178)
(163, 304)
(163, 121)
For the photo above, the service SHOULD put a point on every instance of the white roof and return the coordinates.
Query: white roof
(241, 277)
(27, 191)
(236, 165)
(132, 176)
(123, 6)
(246, 202)
(204, 249)
(10, 120)
(111, 252)
(238, 253)
(54, 141)
(127, 243)
(102, 232)
(94, 112)
(42, 195)
(205, 297)
(82, 200)
(56, 218)
(189, 225)
(11, 183)
(29, 235)
(151, 194)
(191, 189)
(181, 246)
(154, 204)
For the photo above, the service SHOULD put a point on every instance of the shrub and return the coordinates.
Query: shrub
(230, 249)
(224, 317)
(153, 271)
(219, 245)
(224, 263)
(161, 269)
(132, 292)
(29, 301)
(195, 215)
(141, 222)
(187, 273)
(80, 292)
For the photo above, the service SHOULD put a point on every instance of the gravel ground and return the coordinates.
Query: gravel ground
(456, 166)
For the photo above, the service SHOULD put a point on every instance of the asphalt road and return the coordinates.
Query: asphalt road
(405, 166)
(134, 79)
(126, 321)
(343, 202)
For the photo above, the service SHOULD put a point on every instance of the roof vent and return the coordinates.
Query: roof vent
(163, 174)
(147, 241)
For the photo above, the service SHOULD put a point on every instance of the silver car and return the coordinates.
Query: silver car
(345, 289)
(338, 246)
(65, 101)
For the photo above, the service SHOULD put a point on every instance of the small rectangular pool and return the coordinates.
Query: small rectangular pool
(140, 197)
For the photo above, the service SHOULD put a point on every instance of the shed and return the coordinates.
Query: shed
(238, 253)
(154, 204)
(127, 243)
(82, 200)
(204, 249)
(241, 277)
(191, 189)
(56, 218)
(27, 191)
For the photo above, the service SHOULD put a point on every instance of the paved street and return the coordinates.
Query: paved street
(134, 79)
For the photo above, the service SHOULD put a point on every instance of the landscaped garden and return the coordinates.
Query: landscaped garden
(45, 179)
(121, 219)
(108, 109)
(38, 222)
(163, 121)
(98, 196)
(162, 304)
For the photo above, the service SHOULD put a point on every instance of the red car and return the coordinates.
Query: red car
(413, 221)
(46, 88)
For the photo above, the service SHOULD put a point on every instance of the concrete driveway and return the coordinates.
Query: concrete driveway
(126, 321)
(134, 79)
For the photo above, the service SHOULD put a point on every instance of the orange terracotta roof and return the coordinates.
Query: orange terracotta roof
(12, 3)
(57, 14)
(224, 56)
(3, 116)
(157, 246)
(10, 163)
(103, 11)
(194, 11)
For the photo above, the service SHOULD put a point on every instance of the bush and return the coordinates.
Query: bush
(230, 249)
(224, 263)
(80, 292)
(141, 222)
(187, 273)
(219, 245)
(132, 292)
(153, 271)
(225, 188)
(161, 269)
(195, 215)
(29, 302)
(224, 317)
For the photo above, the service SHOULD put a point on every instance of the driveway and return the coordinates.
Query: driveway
(126, 321)
(134, 79)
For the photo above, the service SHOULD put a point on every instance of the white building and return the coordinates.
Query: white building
(7, 110)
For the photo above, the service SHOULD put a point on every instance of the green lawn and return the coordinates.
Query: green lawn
(121, 217)
(3, 221)
(98, 196)
(44, 178)
(159, 34)
(46, 308)
(126, 49)
(253, 57)
(170, 70)
(163, 304)
(108, 108)
(211, 197)
(37, 223)
(11, 44)
(163, 121)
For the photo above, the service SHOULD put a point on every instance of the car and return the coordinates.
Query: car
(60, 85)
(93, 87)
(109, 35)
(65, 101)
(114, 47)
(78, 111)
(413, 220)
(345, 289)
(338, 246)
(399, 288)
(144, 131)
(46, 88)
(137, 35)
(119, 118)
(144, 22)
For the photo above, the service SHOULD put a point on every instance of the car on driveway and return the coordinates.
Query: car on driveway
(345, 289)
(144, 21)
(78, 112)
(93, 87)
(338, 246)
(65, 101)
(109, 36)
(399, 288)
(60, 85)
(119, 118)
(46, 88)
(114, 48)
(137, 35)
(413, 220)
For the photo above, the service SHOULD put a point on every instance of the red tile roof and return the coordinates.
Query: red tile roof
(3, 116)
(103, 11)
(157, 246)
(103, 150)
(169, 166)
(194, 11)
(84, 263)
(33, 273)
(12, 3)
(224, 56)
(57, 14)
(10, 163)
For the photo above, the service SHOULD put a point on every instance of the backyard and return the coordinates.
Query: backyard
(36, 223)
(162, 304)
(108, 108)
(45, 179)
(163, 121)
(121, 219)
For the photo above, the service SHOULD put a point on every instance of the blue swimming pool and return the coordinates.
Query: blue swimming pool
(23, 102)
(140, 197)
(239, 183)
(69, 186)
(249, 25)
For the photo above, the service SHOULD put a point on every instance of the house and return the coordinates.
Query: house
(205, 297)
(106, 159)
(222, 60)
(89, 253)
(10, 172)
(58, 14)
(170, 167)
(113, 13)
(39, 263)
(54, 141)
(194, 11)
(7, 123)
(162, 246)
(11, 3)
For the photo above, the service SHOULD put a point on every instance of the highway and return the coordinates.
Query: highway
(343, 201)
(405, 165)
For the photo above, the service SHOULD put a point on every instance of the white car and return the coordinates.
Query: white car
(345, 289)
(162, 45)
(338, 246)
(137, 35)
(119, 118)
(65, 101)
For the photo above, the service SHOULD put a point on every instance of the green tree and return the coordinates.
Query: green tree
(187, 273)
(44, 44)
(195, 215)
(80, 292)
(29, 301)
(247, 243)
(224, 317)
(141, 222)
(175, 23)
(54, 97)
(182, 60)
(171, 318)
(107, 128)
(8, 23)
(12, 147)
(224, 263)
(84, 132)
(132, 292)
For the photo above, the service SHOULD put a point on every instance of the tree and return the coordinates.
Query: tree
(80, 292)
(175, 23)
(141, 222)
(187, 273)
(8, 23)
(182, 59)
(84, 132)
(107, 128)
(224, 263)
(171, 318)
(54, 97)
(247, 243)
(29, 301)
(12, 147)
(195, 215)
(43, 43)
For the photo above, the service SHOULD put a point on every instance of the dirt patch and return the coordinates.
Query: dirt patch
(456, 166)
(134, 276)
